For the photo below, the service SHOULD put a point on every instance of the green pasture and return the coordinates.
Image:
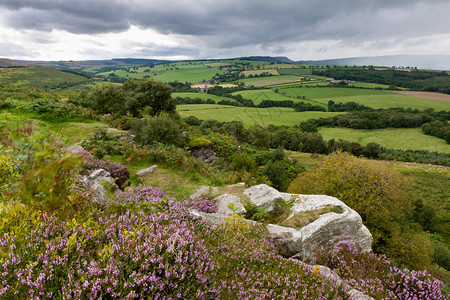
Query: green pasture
(322, 92)
(369, 85)
(249, 115)
(294, 71)
(309, 83)
(368, 97)
(196, 107)
(201, 96)
(395, 138)
(257, 96)
(272, 80)
(193, 75)
(273, 72)
(396, 100)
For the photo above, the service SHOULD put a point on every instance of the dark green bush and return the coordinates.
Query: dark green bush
(243, 161)
(161, 129)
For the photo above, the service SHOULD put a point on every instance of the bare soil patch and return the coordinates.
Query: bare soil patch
(426, 95)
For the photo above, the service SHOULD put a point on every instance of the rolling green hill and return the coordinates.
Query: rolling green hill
(39, 77)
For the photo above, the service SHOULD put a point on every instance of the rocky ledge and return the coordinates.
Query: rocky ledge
(327, 218)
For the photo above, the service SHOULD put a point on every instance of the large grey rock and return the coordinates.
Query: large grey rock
(263, 195)
(321, 232)
(288, 240)
(75, 149)
(94, 182)
(145, 171)
(329, 274)
(300, 243)
(203, 191)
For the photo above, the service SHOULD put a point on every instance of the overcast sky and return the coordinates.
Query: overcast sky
(196, 29)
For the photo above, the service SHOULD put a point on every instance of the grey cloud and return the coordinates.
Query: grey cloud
(235, 23)
(12, 50)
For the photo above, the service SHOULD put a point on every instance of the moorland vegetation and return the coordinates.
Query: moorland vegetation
(56, 242)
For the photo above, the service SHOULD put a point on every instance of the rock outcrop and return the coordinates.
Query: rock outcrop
(205, 153)
(294, 241)
(95, 182)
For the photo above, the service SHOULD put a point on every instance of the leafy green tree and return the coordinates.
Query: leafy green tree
(149, 96)
(106, 98)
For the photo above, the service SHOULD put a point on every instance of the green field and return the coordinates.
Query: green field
(369, 85)
(193, 75)
(272, 80)
(268, 94)
(395, 138)
(201, 96)
(368, 97)
(294, 71)
(301, 84)
(331, 92)
(258, 72)
(250, 116)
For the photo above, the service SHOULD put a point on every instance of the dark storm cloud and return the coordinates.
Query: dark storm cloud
(80, 16)
(235, 23)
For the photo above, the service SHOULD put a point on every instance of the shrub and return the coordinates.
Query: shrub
(255, 213)
(276, 172)
(378, 193)
(104, 143)
(278, 154)
(161, 129)
(243, 161)
(193, 121)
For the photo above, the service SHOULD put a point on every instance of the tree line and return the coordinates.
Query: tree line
(436, 81)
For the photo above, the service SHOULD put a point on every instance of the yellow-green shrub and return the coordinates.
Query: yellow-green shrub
(378, 193)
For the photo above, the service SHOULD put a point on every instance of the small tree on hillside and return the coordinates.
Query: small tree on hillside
(148, 96)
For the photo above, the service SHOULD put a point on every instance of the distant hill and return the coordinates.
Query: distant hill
(9, 63)
(427, 62)
(274, 59)
(82, 65)
(39, 77)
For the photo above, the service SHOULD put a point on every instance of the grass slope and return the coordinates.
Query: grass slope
(401, 138)
(267, 94)
(201, 96)
(38, 77)
(250, 116)
(271, 80)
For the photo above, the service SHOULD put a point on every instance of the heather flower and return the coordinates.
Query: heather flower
(202, 204)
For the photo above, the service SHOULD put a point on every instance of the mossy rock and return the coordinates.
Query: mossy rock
(199, 142)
